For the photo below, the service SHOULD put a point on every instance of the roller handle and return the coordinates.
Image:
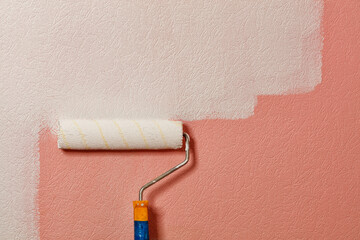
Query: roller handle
(141, 224)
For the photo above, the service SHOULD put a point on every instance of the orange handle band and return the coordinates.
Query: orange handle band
(140, 210)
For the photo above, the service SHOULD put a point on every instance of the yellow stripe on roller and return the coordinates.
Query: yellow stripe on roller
(161, 133)
(141, 133)
(64, 138)
(121, 134)
(176, 123)
(81, 134)
(102, 134)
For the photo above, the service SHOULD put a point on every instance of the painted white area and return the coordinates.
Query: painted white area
(118, 59)
(113, 134)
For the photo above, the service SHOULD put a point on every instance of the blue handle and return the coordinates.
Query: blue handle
(141, 224)
(141, 230)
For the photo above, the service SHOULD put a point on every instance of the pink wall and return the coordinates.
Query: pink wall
(291, 171)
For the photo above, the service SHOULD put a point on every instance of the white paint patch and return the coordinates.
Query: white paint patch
(118, 59)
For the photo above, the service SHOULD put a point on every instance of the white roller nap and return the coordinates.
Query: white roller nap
(116, 134)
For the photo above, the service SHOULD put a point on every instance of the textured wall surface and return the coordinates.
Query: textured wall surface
(291, 171)
(166, 59)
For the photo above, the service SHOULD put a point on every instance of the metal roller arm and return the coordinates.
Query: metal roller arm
(187, 150)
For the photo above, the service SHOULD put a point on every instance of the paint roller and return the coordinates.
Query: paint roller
(117, 134)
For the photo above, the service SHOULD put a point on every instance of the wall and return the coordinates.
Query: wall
(284, 167)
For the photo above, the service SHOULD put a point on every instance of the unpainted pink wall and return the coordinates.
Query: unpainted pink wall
(291, 171)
